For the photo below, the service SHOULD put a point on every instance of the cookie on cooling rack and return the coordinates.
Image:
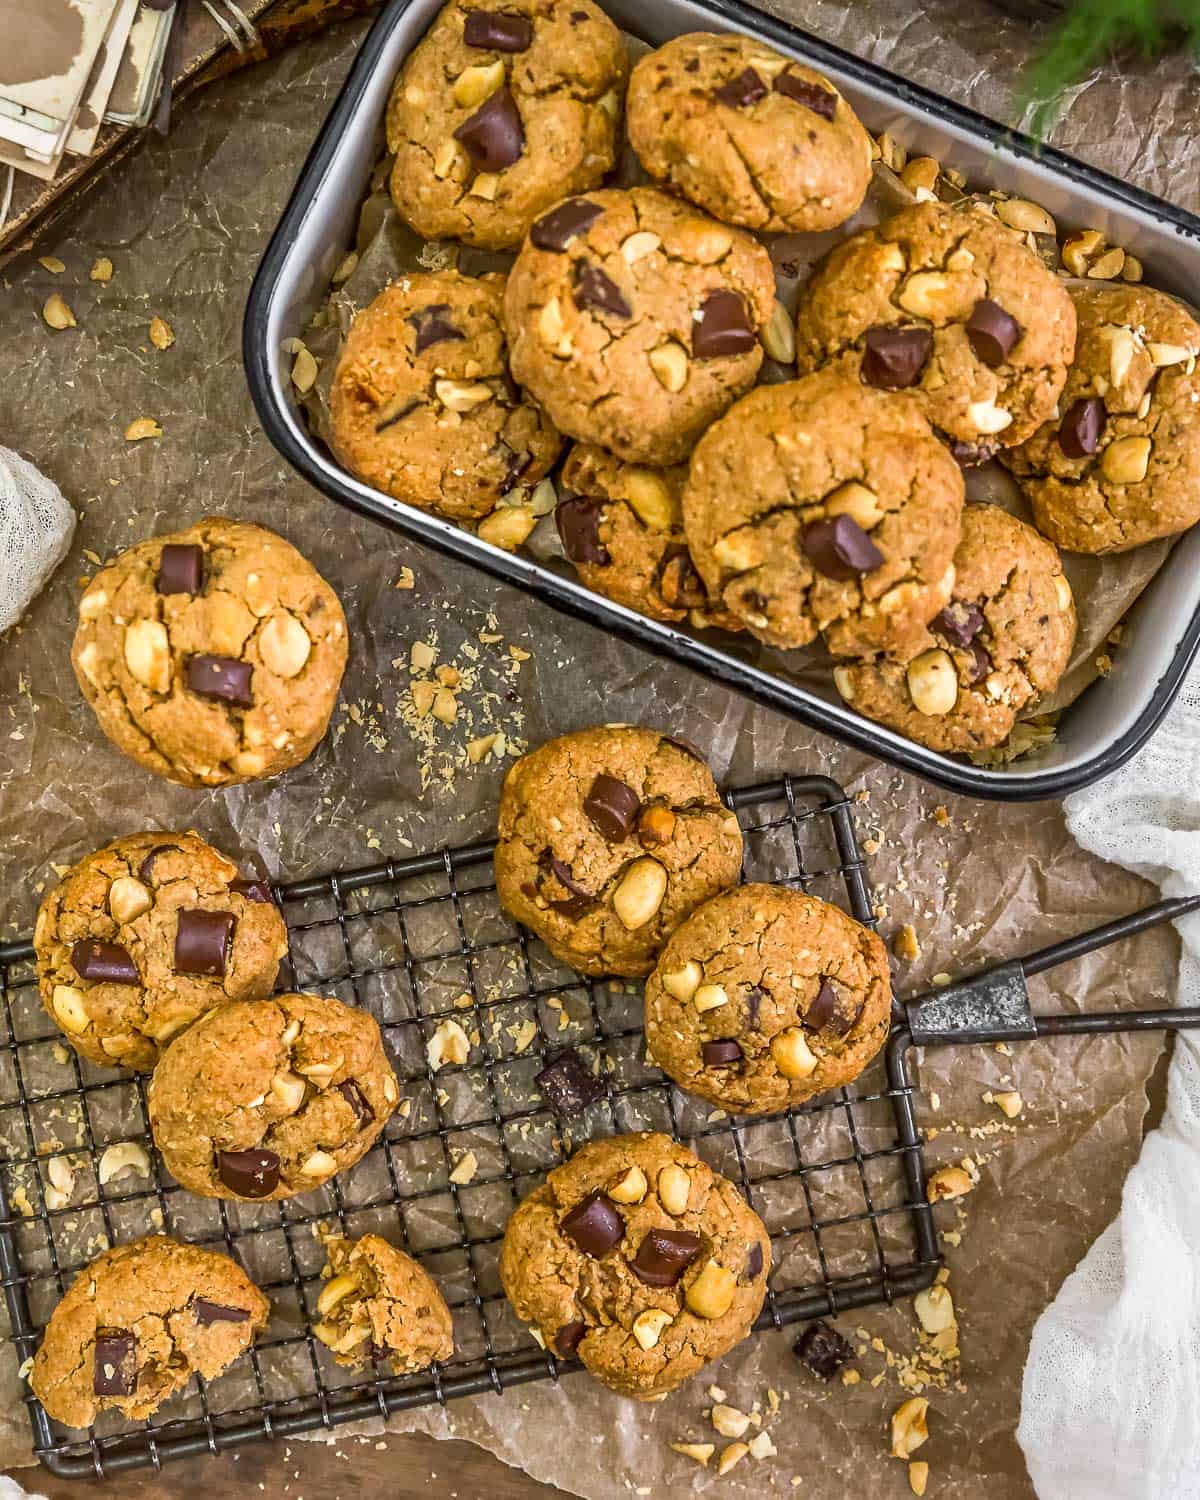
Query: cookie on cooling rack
(638, 1259)
(144, 936)
(379, 1304)
(766, 996)
(137, 1323)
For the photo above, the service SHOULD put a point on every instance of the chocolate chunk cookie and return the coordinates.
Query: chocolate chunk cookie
(138, 1323)
(1120, 463)
(748, 134)
(824, 505)
(422, 404)
(1002, 642)
(212, 656)
(766, 996)
(378, 1304)
(951, 305)
(638, 1259)
(634, 320)
(502, 110)
(608, 838)
(270, 1098)
(145, 935)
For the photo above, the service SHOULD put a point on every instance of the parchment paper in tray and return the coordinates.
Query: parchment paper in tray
(184, 226)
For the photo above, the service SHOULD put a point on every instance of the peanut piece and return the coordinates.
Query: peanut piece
(1108, 266)
(670, 365)
(989, 418)
(123, 1156)
(284, 645)
(631, 1188)
(640, 894)
(1121, 349)
(779, 335)
(656, 827)
(948, 1182)
(57, 314)
(335, 1291)
(891, 153)
(711, 1294)
(448, 1044)
(932, 682)
(1079, 248)
(729, 1421)
(1162, 354)
(703, 242)
(638, 246)
(289, 1089)
(1127, 460)
(1029, 218)
(918, 1477)
(909, 1426)
(476, 84)
(460, 396)
(552, 329)
(485, 186)
(710, 997)
(920, 177)
(147, 654)
(792, 1054)
(682, 983)
(738, 552)
(341, 1343)
(319, 1164)
(128, 898)
(674, 1189)
(843, 680)
(1133, 269)
(1010, 1104)
(69, 1009)
(856, 501)
(731, 1455)
(92, 604)
(507, 528)
(648, 1326)
(934, 1308)
(447, 158)
(650, 499)
(1062, 592)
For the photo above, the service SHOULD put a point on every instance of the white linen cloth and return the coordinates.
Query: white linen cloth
(36, 527)
(1111, 1399)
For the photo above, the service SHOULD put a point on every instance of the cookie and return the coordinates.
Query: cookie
(501, 111)
(1120, 463)
(609, 837)
(750, 135)
(271, 1098)
(212, 656)
(378, 1304)
(638, 1259)
(144, 936)
(422, 405)
(621, 525)
(137, 1323)
(765, 997)
(1002, 642)
(634, 319)
(951, 305)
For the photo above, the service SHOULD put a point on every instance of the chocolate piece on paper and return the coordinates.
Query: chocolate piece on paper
(823, 1350)
(568, 1085)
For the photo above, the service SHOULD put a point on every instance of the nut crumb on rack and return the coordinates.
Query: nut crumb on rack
(700, 1452)
(905, 944)
(731, 1455)
(948, 1182)
(464, 1169)
(910, 1427)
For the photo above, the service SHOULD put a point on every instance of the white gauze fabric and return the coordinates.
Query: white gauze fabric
(36, 527)
(1111, 1398)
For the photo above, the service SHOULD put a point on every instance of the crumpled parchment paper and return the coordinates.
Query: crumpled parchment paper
(184, 225)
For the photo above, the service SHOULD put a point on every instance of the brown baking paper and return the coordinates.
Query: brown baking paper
(184, 227)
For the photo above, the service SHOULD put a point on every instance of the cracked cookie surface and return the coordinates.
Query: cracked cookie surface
(502, 111)
(422, 404)
(608, 838)
(1121, 464)
(1002, 642)
(211, 656)
(765, 997)
(948, 303)
(821, 505)
(137, 1323)
(638, 1259)
(633, 319)
(378, 1304)
(750, 135)
(270, 1098)
(145, 935)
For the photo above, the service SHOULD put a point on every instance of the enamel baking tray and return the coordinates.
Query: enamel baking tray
(1098, 732)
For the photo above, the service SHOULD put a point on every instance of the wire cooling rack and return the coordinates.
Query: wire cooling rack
(838, 1181)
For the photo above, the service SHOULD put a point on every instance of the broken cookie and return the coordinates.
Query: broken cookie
(378, 1304)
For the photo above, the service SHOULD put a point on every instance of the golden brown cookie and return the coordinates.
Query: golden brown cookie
(609, 837)
(766, 996)
(137, 1323)
(951, 305)
(144, 936)
(823, 505)
(1002, 642)
(750, 135)
(378, 1304)
(212, 656)
(271, 1098)
(500, 111)
(422, 405)
(1120, 464)
(638, 1259)
(634, 319)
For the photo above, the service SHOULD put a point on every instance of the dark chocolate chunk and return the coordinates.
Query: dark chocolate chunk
(722, 1053)
(754, 1263)
(959, 622)
(754, 1000)
(498, 31)
(970, 455)
(723, 327)
(202, 942)
(895, 358)
(180, 569)
(146, 868)
(992, 332)
(254, 890)
(396, 411)
(840, 548)
(568, 1085)
(115, 1366)
(594, 1224)
(823, 1350)
(981, 663)
(357, 1101)
(208, 1313)
(432, 325)
(569, 1337)
(821, 101)
(493, 137)
(103, 963)
(556, 230)
(580, 899)
(1082, 427)
(613, 807)
(741, 92)
(249, 1174)
(664, 1255)
(823, 1009)
(578, 17)
(596, 290)
(685, 745)
(578, 520)
(678, 582)
(515, 465)
(222, 677)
